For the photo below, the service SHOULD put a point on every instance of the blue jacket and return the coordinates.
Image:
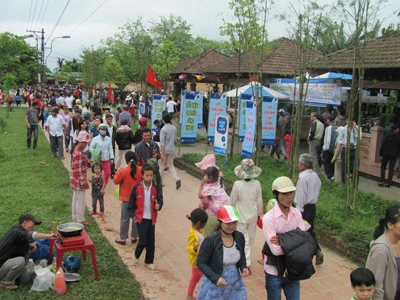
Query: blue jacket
(210, 259)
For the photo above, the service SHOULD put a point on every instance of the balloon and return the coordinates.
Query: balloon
(181, 77)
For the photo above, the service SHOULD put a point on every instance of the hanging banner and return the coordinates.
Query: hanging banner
(248, 142)
(159, 102)
(321, 91)
(217, 108)
(85, 96)
(268, 120)
(190, 106)
(244, 98)
(142, 108)
(221, 135)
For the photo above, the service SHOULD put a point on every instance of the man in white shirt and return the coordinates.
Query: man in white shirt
(307, 192)
(61, 99)
(171, 107)
(328, 147)
(69, 101)
(55, 126)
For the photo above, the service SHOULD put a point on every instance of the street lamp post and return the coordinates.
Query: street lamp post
(51, 45)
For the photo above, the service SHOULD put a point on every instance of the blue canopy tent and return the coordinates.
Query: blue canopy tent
(333, 75)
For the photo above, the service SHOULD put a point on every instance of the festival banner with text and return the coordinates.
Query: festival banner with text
(248, 142)
(268, 120)
(244, 98)
(217, 108)
(221, 135)
(190, 113)
(142, 109)
(159, 102)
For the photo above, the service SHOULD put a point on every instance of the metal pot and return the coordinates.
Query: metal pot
(70, 229)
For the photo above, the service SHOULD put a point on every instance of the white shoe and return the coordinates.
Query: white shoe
(135, 261)
(152, 267)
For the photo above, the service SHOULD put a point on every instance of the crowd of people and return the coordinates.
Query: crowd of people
(222, 231)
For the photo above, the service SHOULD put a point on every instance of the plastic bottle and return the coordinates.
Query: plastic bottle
(30, 266)
(59, 283)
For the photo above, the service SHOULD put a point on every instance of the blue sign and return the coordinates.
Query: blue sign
(217, 108)
(142, 108)
(190, 104)
(268, 121)
(251, 122)
(221, 135)
(244, 98)
(159, 102)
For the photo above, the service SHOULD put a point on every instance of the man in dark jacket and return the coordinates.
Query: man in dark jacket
(147, 148)
(389, 151)
(124, 139)
(16, 246)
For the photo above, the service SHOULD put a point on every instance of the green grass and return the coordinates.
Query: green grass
(353, 227)
(26, 186)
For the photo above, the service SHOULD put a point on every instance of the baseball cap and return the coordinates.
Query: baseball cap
(228, 214)
(283, 185)
(29, 217)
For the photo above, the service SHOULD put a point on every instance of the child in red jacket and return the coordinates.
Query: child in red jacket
(144, 202)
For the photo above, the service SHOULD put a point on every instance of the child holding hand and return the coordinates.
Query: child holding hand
(196, 236)
(98, 187)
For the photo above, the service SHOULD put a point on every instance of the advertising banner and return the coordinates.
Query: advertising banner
(159, 102)
(190, 107)
(251, 117)
(321, 91)
(142, 108)
(244, 98)
(268, 120)
(221, 135)
(217, 108)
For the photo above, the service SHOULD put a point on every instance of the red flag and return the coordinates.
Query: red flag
(110, 95)
(152, 79)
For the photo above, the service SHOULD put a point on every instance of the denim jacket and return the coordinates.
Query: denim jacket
(210, 259)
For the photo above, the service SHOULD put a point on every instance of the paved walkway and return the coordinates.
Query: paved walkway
(331, 280)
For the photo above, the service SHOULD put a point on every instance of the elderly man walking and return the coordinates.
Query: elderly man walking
(167, 142)
(307, 192)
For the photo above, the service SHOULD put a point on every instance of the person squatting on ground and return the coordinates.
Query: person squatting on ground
(282, 218)
(198, 217)
(307, 192)
(16, 246)
(98, 186)
(78, 178)
(127, 178)
(384, 255)
(167, 149)
(55, 126)
(144, 203)
(213, 197)
(363, 284)
(246, 196)
(103, 144)
(222, 260)
(32, 124)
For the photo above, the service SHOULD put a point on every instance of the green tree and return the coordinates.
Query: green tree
(167, 57)
(92, 65)
(74, 64)
(18, 58)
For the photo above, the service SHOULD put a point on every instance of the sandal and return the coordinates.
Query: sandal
(123, 243)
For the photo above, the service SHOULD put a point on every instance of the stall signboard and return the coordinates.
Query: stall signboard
(221, 135)
(244, 98)
(190, 113)
(159, 102)
(321, 91)
(251, 122)
(217, 108)
(268, 120)
(142, 108)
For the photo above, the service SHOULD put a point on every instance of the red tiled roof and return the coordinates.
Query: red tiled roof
(379, 53)
(279, 60)
(197, 63)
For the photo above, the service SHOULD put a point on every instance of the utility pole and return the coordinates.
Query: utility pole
(35, 32)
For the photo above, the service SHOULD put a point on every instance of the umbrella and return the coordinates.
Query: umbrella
(131, 87)
(105, 85)
(248, 89)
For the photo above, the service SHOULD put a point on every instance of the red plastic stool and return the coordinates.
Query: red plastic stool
(87, 245)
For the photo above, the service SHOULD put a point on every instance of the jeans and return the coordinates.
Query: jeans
(275, 284)
(385, 161)
(35, 130)
(329, 167)
(56, 146)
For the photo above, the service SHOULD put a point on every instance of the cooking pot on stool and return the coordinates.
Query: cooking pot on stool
(70, 229)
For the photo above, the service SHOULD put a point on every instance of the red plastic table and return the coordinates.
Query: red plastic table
(87, 245)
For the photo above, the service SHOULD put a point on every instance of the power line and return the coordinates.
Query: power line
(44, 13)
(34, 13)
(40, 12)
(29, 18)
(94, 11)
(59, 19)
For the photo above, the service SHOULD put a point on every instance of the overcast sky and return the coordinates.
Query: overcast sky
(89, 21)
